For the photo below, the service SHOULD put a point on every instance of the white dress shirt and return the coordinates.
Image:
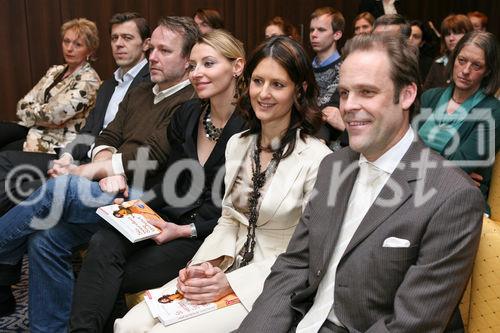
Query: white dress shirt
(369, 182)
(116, 159)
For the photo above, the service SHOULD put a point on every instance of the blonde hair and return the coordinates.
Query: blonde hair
(85, 29)
(225, 43)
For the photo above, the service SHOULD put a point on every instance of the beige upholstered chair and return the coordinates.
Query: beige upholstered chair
(480, 305)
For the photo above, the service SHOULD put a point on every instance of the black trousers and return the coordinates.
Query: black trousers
(114, 266)
(12, 136)
(20, 174)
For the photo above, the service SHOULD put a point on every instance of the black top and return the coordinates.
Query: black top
(196, 204)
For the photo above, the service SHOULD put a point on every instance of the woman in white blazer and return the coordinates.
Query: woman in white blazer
(270, 173)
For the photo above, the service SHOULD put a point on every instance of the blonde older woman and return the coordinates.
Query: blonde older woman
(56, 107)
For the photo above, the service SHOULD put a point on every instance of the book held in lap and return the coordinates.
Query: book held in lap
(169, 306)
(131, 219)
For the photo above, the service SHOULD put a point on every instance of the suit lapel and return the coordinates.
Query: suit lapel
(143, 75)
(281, 183)
(334, 214)
(237, 155)
(108, 89)
(396, 191)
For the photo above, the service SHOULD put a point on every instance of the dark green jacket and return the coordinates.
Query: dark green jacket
(474, 133)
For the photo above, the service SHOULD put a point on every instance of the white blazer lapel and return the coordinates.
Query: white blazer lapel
(238, 151)
(281, 183)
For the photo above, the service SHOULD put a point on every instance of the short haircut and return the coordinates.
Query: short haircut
(402, 59)
(306, 115)
(364, 15)
(338, 21)
(479, 15)
(487, 42)
(458, 24)
(394, 19)
(140, 22)
(210, 16)
(288, 29)
(85, 29)
(185, 27)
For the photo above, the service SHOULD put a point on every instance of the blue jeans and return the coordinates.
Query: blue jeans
(49, 229)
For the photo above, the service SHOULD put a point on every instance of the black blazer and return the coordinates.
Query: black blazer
(182, 137)
(95, 120)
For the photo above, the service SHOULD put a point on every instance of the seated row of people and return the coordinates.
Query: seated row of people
(276, 160)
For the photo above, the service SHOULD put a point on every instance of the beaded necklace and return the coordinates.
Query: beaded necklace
(211, 132)
(258, 180)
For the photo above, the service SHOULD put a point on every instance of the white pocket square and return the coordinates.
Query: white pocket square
(396, 242)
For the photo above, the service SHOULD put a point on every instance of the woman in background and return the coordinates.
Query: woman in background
(467, 109)
(278, 26)
(421, 39)
(453, 28)
(363, 23)
(207, 20)
(56, 107)
(270, 173)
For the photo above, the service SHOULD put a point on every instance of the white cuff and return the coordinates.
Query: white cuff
(117, 164)
(97, 149)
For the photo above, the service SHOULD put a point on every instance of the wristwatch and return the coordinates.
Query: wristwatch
(194, 234)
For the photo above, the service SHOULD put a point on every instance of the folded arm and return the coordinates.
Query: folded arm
(76, 98)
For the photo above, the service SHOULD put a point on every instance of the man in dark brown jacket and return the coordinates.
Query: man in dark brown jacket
(68, 203)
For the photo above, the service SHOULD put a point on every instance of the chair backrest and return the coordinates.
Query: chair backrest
(494, 193)
(481, 302)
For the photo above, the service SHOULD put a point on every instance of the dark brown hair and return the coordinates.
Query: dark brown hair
(458, 24)
(140, 22)
(210, 16)
(294, 60)
(403, 61)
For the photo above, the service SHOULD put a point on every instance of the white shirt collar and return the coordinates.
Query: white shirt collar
(389, 161)
(131, 73)
(160, 95)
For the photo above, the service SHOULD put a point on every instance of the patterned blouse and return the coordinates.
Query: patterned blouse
(56, 112)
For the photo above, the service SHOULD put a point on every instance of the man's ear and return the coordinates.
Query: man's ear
(337, 35)
(407, 96)
(146, 44)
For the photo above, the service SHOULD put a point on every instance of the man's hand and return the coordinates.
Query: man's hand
(170, 231)
(114, 184)
(476, 178)
(331, 115)
(203, 284)
(62, 166)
